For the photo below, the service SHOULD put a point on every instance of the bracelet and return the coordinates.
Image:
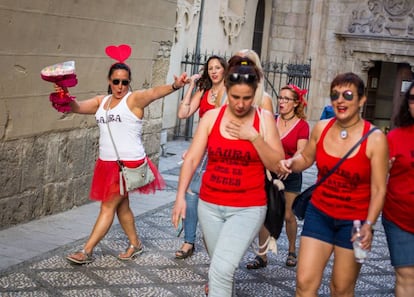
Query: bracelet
(369, 223)
(174, 87)
(186, 104)
(254, 138)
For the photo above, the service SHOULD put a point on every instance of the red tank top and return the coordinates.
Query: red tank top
(347, 192)
(399, 202)
(235, 174)
(204, 104)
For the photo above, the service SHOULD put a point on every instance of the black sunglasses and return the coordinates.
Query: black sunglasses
(238, 77)
(347, 95)
(411, 98)
(124, 82)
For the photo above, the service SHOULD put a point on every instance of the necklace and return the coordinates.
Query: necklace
(344, 134)
(287, 120)
(214, 94)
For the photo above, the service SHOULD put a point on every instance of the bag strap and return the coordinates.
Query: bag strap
(203, 163)
(344, 157)
(110, 135)
(262, 132)
(120, 164)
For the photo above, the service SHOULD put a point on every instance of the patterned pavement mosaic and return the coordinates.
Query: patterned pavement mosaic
(157, 273)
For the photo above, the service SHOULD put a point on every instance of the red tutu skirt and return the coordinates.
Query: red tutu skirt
(105, 181)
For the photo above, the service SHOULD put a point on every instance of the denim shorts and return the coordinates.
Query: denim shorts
(320, 226)
(400, 244)
(293, 183)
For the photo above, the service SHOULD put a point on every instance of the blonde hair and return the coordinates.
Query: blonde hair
(252, 55)
(298, 96)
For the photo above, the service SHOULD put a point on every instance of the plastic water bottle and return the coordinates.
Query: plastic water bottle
(360, 253)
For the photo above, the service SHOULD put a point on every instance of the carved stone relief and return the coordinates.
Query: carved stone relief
(385, 18)
(164, 51)
(186, 12)
(233, 16)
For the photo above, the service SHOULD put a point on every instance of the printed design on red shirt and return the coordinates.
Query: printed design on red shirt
(225, 174)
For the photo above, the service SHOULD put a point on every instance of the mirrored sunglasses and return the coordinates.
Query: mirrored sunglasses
(124, 82)
(347, 95)
(238, 77)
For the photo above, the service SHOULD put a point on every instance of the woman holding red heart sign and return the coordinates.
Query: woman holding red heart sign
(119, 116)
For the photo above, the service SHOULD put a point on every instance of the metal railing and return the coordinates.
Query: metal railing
(276, 75)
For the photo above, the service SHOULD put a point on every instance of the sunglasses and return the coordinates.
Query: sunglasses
(238, 77)
(124, 82)
(284, 99)
(411, 99)
(347, 95)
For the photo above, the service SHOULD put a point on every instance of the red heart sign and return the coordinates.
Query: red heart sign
(119, 53)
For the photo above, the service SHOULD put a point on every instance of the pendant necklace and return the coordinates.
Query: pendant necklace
(287, 120)
(215, 94)
(343, 133)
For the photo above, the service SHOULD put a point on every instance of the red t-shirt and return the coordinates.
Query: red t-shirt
(235, 174)
(347, 192)
(399, 202)
(300, 130)
(204, 104)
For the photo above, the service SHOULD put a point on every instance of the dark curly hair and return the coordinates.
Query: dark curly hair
(205, 83)
(404, 118)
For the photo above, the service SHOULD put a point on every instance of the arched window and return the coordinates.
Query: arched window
(258, 27)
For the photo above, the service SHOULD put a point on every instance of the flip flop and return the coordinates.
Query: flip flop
(80, 257)
(135, 252)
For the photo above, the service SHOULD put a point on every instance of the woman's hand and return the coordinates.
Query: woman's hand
(366, 237)
(181, 81)
(241, 130)
(194, 78)
(390, 163)
(178, 211)
(284, 167)
(282, 176)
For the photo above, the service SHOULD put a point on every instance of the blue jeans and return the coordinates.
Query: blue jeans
(228, 232)
(323, 227)
(400, 244)
(191, 217)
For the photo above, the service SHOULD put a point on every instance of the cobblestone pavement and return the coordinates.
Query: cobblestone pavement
(157, 273)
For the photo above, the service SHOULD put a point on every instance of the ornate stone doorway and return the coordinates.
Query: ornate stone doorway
(386, 85)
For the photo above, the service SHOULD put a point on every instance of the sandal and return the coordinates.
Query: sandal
(80, 257)
(131, 252)
(181, 254)
(291, 259)
(257, 263)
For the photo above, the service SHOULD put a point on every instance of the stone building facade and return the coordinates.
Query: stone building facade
(47, 158)
(373, 38)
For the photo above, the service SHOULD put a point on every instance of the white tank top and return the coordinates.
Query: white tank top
(126, 129)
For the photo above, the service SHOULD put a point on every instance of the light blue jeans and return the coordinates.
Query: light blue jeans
(191, 217)
(191, 199)
(228, 233)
